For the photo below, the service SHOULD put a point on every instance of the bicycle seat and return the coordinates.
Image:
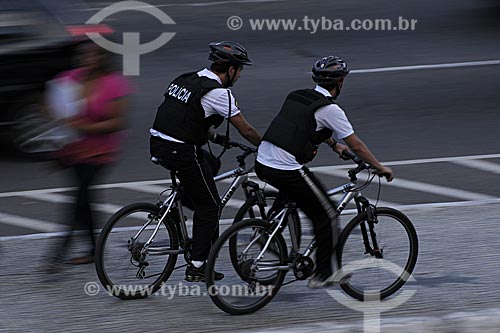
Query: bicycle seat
(159, 161)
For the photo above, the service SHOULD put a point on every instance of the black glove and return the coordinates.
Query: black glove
(220, 139)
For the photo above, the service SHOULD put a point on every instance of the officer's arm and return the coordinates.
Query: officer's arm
(246, 129)
(360, 149)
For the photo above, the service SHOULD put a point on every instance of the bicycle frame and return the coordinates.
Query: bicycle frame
(239, 176)
(349, 193)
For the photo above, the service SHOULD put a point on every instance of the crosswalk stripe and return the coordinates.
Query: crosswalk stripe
(50, 197)
(423, 187)
(153, 189)
(56, 232)
(34, 224)
(480, 165)
(319, 168)
(102, 207)
(50, 229)
(59, 198)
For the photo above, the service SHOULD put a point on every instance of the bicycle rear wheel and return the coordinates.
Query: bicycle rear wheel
(237, 295)
(381, 256)
(124, 267)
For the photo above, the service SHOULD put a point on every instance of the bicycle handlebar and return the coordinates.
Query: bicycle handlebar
(247, 151)
(362, 165)
(241, 146)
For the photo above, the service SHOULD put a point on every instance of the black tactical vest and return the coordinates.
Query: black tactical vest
(294, 128)
(181, 115)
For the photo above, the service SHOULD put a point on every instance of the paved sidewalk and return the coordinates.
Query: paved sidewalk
(457, 290)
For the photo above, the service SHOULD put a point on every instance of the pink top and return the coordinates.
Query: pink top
(103, 147)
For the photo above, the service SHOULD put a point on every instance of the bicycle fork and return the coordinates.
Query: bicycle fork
(370, 241)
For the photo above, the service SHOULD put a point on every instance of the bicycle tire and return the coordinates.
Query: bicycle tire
(215, 254)
(409, 266)
(101, 245)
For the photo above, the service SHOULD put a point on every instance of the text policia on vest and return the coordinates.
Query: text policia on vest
(181, 93)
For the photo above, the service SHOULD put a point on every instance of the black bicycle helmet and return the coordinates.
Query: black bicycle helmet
(329, 70)
(229, 52)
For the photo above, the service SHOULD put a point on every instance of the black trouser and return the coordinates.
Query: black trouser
(303, 188)
(196, 177)
(81, 216)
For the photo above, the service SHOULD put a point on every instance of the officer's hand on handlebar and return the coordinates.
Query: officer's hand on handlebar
(347, 155)
(221, 140)
(382, 171)
(386, 172)
(341, 150)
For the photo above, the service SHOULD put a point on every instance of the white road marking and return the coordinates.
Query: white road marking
(429, 66)
(38, 224)
(480, 165)
(50, 197)
(59, 198)
(319, 168)
(35, 192)
(440, 190)
(442, 159)
(153, 186)
(47, 232)
(421, 187)
(33, 224)
(154, 189)
(139, 183)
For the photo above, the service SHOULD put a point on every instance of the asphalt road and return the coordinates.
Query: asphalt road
(403, 115)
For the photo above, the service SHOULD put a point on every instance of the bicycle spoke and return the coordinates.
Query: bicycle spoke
(125, 263)
(251, 283)
(380, 270)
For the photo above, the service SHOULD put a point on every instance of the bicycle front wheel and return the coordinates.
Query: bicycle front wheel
(260, 256)
(380, 255)
(125, 267)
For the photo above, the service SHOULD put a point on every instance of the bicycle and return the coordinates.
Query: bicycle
(149, 235)
(377, 249)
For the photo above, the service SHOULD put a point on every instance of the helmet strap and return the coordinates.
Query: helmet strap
(230, 80)
(337, 90)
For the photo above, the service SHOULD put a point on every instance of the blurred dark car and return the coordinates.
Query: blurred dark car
(37, 41)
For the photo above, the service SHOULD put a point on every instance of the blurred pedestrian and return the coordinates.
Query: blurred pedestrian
(99, 122)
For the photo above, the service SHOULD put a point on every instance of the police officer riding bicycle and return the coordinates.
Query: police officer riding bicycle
(195, 103)
(307, 118)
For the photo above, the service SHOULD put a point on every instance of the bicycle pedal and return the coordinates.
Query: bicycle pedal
(194, 279)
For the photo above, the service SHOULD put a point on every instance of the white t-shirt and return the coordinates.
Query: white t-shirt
(213, 102)
(330, 116)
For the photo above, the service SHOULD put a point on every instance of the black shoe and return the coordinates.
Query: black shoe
(194, 274)
(322, 280)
